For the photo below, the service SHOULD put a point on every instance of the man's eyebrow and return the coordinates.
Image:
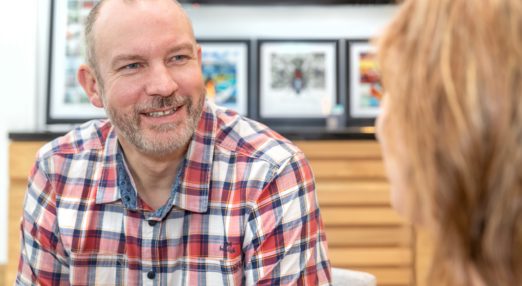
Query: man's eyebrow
(182, 47)
(125, 58)
(132, 57)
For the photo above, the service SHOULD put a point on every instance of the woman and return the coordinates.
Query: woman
(451, 133)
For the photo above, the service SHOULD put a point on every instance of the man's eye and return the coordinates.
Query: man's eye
(179, 58)
(131, 66)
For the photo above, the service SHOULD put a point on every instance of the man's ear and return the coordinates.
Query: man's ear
(88, 81)
(198, 47)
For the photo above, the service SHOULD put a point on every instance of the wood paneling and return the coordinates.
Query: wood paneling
(352, 193)
(340, 150)
(368, 236)
(363, 231)
(362, 216)
(352, 170)
(371, 256)
(2, 274)
(21, 158)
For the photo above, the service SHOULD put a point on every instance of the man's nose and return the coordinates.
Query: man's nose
(161, 81)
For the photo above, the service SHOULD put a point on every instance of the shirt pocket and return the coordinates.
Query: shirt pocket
(98, 269)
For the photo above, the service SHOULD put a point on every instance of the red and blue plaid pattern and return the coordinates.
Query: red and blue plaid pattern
(242, 212)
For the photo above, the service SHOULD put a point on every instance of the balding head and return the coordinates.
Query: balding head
(91, 26)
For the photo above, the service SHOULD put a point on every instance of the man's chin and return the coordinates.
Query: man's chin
(164, 141)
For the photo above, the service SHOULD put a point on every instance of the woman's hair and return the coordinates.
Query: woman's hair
(453, 72)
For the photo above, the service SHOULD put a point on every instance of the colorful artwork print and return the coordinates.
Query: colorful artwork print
(74, 51)
(224, 73)
(298, 72)
(370, 81)
(220, 76)
(365, 88)
(298, 79)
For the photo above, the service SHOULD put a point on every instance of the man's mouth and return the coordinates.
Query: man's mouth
(156, 114)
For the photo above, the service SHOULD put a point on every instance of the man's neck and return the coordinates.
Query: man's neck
(153, 176)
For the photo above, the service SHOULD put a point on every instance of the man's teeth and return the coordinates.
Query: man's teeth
(161, 113)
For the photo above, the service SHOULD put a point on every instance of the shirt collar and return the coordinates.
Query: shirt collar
(192, 192)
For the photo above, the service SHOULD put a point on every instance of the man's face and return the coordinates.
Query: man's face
(150, 66)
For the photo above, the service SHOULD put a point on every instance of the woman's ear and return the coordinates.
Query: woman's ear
(90, 84)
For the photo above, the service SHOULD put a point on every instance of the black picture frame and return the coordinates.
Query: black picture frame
(66, 102)
(281, 101)
(231, 59)
(363, 84)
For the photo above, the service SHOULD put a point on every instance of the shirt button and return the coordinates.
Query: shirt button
(152, 223)
(151, 274)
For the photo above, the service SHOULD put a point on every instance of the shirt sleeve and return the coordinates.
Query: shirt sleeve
(284, 241)
(42, 258)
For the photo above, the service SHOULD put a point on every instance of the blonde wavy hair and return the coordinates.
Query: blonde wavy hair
(452, 70)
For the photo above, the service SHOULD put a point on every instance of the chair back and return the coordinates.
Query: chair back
(346, 277)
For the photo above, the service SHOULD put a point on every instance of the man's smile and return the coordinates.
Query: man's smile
(156, 114)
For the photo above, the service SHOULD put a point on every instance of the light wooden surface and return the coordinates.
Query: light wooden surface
(363, 231)
(2, 273)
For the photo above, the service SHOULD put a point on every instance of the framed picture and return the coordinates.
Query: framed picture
(297, 81)
(225, 72)
(66, 100)
(364, 83)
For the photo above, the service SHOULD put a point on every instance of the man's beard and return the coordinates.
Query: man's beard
(179, 134)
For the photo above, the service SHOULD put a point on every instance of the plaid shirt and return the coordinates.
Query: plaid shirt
(242, 211)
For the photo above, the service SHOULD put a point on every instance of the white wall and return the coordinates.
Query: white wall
(290, 21)
(23, 53)
(18, 22)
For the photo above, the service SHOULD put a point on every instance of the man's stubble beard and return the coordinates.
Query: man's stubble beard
(179, 135)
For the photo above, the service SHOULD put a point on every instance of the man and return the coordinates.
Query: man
(170, 190)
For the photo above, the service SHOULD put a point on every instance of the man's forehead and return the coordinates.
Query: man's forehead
(112, 8)
(120, 16)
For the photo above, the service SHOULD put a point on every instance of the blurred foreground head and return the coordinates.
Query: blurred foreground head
(451, 133)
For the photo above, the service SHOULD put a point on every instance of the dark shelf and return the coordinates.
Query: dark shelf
(292, 133)
(287, 2)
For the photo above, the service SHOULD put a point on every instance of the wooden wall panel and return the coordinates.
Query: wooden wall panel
(369, 236)
(3, 279)
(356, 193)
(361, 216)
(364, 149)
(371, 256)
(352, 170)
(21, 158)
(363, 231)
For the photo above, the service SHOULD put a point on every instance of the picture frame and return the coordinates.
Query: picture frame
(225, 66)
(66, 101)
(297, 81)
(364, 87)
